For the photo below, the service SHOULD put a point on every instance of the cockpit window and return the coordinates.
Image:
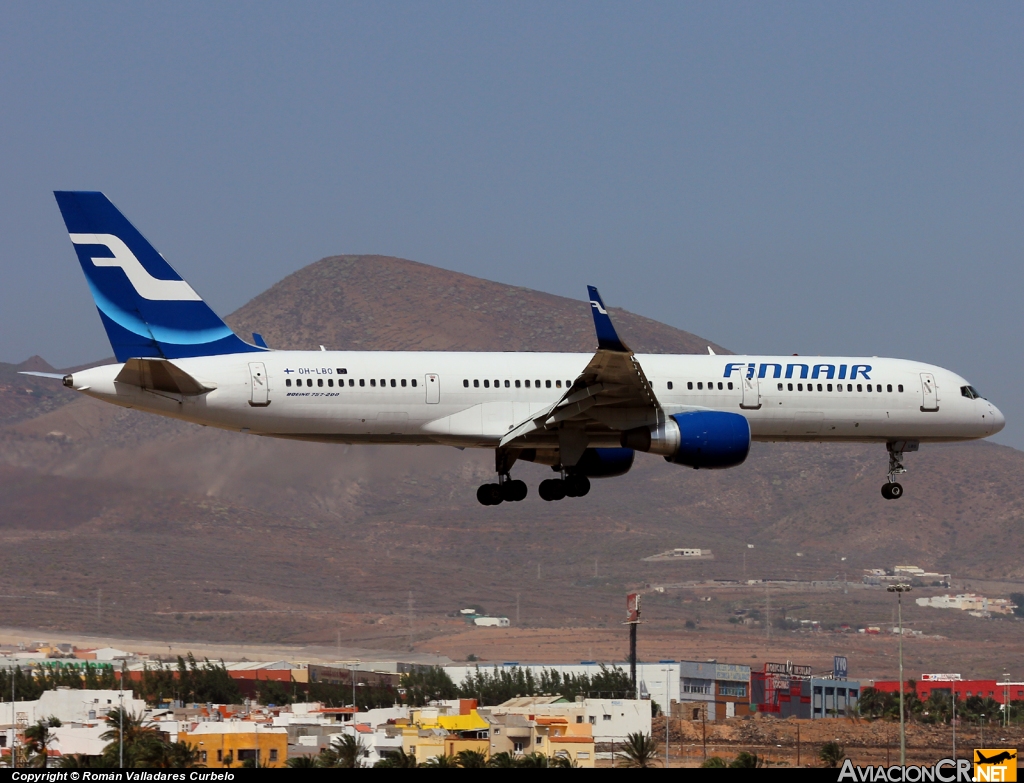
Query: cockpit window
(970, 393)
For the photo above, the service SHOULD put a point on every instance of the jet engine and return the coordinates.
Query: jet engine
(699, 439)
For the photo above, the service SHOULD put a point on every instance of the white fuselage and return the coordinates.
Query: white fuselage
(473, 399)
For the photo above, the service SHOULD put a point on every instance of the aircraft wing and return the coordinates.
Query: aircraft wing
(611, 394)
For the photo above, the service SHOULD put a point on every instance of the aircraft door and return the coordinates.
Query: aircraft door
(929, 393)
(433, 384)
(259, 396)
(751, 393)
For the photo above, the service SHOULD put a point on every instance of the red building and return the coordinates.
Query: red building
(929, 684)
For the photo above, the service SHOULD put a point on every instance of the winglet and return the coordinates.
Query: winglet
(607, 337)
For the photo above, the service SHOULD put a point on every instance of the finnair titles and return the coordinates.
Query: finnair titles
(584, 415)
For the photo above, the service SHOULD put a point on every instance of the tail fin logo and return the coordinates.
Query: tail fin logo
(597, 306)
(147, 286)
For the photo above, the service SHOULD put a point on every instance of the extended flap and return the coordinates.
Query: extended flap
(160, 375)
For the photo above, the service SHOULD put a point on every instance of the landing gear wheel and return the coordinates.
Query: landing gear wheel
(514, 491)
(489, 494)
(892, 491)
(576, 486)
(551, 489)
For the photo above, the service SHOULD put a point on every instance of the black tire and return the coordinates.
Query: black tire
(895, 491)
(551, 489)
(483, 494)
(489, 494)
(521, 490)
(885, 491)
(582, 485)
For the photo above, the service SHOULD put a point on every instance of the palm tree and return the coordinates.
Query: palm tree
(38, 739)
(471, 759)
(562, 762)
(137, 732)
(502, 760)
(746, 760)
(532, 760)
(398, 759)
(831, 754)
(349, 751)
(442, 762)
(303, 762)
(714, 762)
(640, 750)
(183, 755)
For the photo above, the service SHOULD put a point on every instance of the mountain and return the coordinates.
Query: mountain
(120, 522)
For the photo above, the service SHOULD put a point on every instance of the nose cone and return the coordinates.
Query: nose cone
(999, 421)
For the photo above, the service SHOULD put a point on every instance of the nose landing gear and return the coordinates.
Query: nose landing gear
(892, 490)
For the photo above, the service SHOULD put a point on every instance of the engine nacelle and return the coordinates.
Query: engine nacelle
(605, 463)
(700, 439)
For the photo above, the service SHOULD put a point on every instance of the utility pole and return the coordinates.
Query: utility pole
(668, 713)
(900, 589)
(410, 619)
(14, 724)
(633, 620)
(120, 717)
(99, 605)
(517, 610)
(798, 744)
(768, 612)
(953, 689)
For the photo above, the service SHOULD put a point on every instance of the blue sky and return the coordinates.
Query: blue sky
(790, 178)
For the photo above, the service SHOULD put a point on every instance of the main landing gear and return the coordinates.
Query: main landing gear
(574, 485)
(507, 488)
(892, 490)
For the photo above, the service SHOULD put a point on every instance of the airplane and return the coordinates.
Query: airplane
(584, 415)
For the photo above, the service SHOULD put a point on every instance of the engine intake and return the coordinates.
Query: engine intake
(699, 439)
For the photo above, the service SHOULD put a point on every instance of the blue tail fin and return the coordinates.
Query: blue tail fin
(145, 306)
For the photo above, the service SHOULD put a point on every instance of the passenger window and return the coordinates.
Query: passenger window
(320, 382)
(287, 381)
(730, 386)
(507, 384)
(527, 384)
(373, 381)
(689, 385)
(849, 387)
(839, 387)
(819, 387)
(700, 385)
(537, 384)
(719, 386)
(888, 387)
(352, 382)
(799, 387)
(900, 387)
(476, 384)
(342, 371)
(362, 381)
(330, 382)
(414, 383)
(568, 384)
(465, 383)
(859, 387)
(790, 386)
(829, 387)
(393, 384)
(869, 387)
(403, 383)
(487, 384)
(780, 386)
(517, 384)
(547, 384)
(383, 382)
(309, 381)
(558, 384)
(670, 384)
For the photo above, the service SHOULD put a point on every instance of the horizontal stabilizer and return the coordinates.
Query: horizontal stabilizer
(160, 375)
(258, 339)
(58, 375)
